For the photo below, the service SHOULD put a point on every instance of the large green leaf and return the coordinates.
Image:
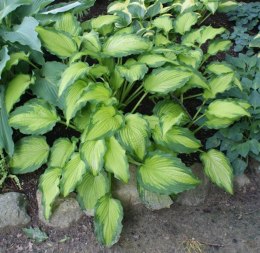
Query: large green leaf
(214, 122)
(68, 23)
(47, 83)
(92, 153)
(105, 121)
(103, 23)
(15, 89)
(155, 60)
(219, 68)
(72, 96)
(35, 117)
(49, 186)
(29, 155)
(91, 189)
(91, 41)
(163, 22)
(164, 174)
(185, 21)
(7, 6)
(218, 46)
(219, 84)
(229, 109)
(6, 140)
(164, 80)
(72, 74)
(61, 152)
(209, 33)
(133, 72)
(218, 169)
(125, 44)
(4, 58)
(170, 114)
(108, 220)
(135, 135)
(57, 42)
(72, 174)
(181, 140)
(24, 34)
(15, 58)
(154, 201)
(255, 41)
(116, 160)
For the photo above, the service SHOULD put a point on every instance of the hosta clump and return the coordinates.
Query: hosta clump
(108, 67)
(241, 140)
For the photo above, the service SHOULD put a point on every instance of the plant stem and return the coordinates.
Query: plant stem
(204, 18)
(197, 129)
(32, 64)
(193, 96)
(139, 102)
(135, 94)
(68, 125)
(201, 116)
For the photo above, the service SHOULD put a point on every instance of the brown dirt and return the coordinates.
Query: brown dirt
(223, 224)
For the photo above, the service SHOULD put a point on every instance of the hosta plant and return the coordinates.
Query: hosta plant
(104, 70)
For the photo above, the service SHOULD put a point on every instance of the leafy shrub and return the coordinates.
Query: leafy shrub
(247, 24)
(241, 140)
(104, 70)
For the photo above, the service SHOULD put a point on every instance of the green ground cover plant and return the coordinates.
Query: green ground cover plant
(102, 71)
(247, 25)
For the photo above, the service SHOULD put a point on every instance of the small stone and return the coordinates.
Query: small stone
(241, 181)
(13, 210)
(65, 212)
(198, 195)
(127, 193)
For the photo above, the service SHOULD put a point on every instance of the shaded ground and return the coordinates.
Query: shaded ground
(224, 224)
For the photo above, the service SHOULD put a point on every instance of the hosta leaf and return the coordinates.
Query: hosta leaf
(92, 153)
(71, 98)
(98, 71)
(6, 140)
(218, 123)
(35, 117)
(209, 33)
(154, 9)
(72, 74)
(219, 68)
(91, 189)
(219, 46)
(134, 72)
(72, 174)
(218, 169)
(29, 155)
(155, 60)
(91, 41)
(164, 23)
(185, 21)
(25, 34)
(125, 44)
(255, 41)
(192, 58)
(164, 80)
(154, 201)
(211, 5)
(108, 220)
(181, 140)
(47, 83)
(105, 121)
(170, 114)
(164, 174)
(61, 152)
(4, 58)
(219, 84)
(7, 6)
(68, 23)
(15, 58)
(57, 42)
(137, 10)
(103, 21)
(82, 118)
(135, 135)
(49, 186)
(15, 89)
(224, 108)
(116, 160)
